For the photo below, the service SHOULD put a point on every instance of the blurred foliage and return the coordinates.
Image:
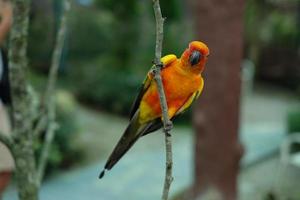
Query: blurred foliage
(293, 124)
(110, 45)
(112, 89)
(270, 23)
(109, 49)
(293, 121)
(273, 40)
(105, 68)
(63, 153)
(111, 65)
(87, 28)
(41, 34)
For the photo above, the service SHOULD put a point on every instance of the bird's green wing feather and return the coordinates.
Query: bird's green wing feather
(166, 60)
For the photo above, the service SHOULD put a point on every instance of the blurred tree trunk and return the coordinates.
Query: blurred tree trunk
(216, 118)
(24, 112)
(22, 148)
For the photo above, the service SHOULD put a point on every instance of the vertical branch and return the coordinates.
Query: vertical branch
(163, 102)
(17, 67)
(6, 140)
(159, 31)
(49, 94)
(57, 52)
(42, 163)
(22, 147)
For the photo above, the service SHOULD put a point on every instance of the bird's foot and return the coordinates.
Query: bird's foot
(158, 64)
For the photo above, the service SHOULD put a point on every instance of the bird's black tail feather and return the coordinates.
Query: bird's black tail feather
(130, 136)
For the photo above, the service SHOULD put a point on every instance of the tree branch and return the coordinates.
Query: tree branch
(49, 94)
(6, 140)
(40, 125)
(45, 151)
(163, 102)
(17, 68)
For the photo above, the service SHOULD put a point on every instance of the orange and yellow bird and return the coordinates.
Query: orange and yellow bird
(182, 83)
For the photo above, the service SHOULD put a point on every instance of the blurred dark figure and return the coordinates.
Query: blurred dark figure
(219, 24)
(6, 161)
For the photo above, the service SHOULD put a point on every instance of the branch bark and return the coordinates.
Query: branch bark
(49, 94)
(162, 97)
(22, 147)
(41, 124)
(42, 163)
(17, 67)
(6, 140)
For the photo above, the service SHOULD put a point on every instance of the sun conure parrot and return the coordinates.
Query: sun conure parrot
(182, 83)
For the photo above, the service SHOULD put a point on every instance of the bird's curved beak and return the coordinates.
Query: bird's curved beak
(195, 58)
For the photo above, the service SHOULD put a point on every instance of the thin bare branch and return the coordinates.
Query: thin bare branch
(49, 95)
(163, 102)
(41, 125)
(45, 151)
(6, 140)
(57, 53)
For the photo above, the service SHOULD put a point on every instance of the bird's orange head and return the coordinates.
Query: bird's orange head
(195, 56)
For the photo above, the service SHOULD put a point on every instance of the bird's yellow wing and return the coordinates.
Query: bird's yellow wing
(191, 99)
(166, 60)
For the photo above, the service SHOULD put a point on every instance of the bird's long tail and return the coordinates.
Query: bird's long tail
(130, 136)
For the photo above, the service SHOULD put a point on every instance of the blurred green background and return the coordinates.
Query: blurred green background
(110, 46)
(99, 63)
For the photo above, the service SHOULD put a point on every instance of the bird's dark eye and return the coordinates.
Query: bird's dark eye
(195, 58)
